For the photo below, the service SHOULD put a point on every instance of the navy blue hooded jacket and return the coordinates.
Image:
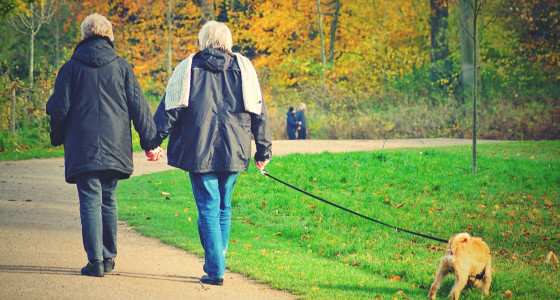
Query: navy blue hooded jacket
(95, 98)
(213, 134)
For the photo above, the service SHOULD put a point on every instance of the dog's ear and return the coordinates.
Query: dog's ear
(459, 241)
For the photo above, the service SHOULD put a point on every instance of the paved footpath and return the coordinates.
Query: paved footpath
(41, 252)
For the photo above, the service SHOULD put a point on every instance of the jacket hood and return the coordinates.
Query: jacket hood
(95, 51)
(215, 60)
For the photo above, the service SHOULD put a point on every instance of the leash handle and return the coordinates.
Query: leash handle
(353, 212)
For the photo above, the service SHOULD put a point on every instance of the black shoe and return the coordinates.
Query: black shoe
(108, 265)
(93, 268)
(213, 281)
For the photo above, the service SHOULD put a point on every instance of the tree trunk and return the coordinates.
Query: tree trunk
(31, 50)
(57, 43)
(334, 26)
(13, 112)
(322, 38)
(207, 7)
(474, 83)
(439, 49)
(467, 46)
(169, 62)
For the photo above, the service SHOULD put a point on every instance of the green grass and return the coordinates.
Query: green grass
(296, 243)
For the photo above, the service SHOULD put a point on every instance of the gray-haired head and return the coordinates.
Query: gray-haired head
(96, 24)
(215, 35)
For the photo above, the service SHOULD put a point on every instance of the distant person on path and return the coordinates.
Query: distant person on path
(291, 124)
(212, 106)
(96, 96)
(300, 118)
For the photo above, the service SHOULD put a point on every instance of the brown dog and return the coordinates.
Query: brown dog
(469, 259)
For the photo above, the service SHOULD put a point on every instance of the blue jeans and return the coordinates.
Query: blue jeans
(98, 213)
(212, 193)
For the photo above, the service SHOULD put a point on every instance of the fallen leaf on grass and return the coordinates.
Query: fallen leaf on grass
(394, 278)
(165, 193)
(314, 288)
(508, 294)
(551, 256)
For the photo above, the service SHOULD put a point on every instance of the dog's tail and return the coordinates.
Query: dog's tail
(459, 241)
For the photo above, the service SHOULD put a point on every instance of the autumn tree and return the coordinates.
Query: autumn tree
(29, 21)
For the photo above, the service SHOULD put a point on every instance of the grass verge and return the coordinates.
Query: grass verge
(295, 243)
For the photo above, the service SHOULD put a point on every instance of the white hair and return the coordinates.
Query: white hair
(96, 24)
(215, 35)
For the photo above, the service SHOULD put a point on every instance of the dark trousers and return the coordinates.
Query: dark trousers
(302, 133)
(291, 134)
(98, 213)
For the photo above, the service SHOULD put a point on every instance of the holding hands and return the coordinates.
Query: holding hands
(155, 154)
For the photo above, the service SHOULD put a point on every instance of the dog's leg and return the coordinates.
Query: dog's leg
(461, 280)
(440, 274)
(487, 280)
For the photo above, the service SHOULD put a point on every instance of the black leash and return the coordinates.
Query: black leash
(353, 212)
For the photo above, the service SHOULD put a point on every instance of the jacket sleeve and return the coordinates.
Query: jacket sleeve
(139, 111)
(58, 105)
(164, 119)
(260, 127)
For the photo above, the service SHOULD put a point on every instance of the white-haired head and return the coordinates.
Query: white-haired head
(96, 24)
(215, 35)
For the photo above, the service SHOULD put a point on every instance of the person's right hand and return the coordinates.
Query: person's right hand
(261, 164)
(155, 154)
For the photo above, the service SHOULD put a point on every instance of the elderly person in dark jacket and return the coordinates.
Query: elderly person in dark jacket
(212, 105)
(291, 124)
(96, 96)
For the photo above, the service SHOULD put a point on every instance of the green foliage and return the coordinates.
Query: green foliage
(378, 84)
(296, 243)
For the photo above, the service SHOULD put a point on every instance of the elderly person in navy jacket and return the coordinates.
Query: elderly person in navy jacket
(212, 106)
(95, 98)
